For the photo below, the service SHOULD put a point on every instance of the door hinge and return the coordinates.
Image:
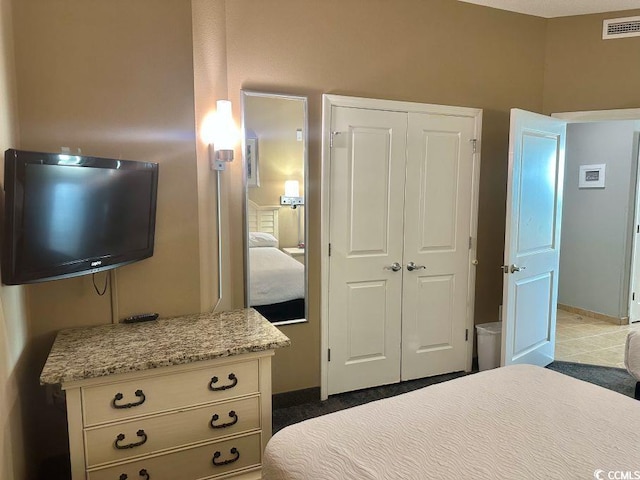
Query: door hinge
(331, 135)
(329, 249)
(328, 355)
(474, 144)
(466, 335)
(633, 296)
(638, 229)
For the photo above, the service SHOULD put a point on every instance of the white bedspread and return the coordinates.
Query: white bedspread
(520, 422)
(275, 276)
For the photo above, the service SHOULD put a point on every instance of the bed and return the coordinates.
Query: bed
(276, 280)
(516, 422)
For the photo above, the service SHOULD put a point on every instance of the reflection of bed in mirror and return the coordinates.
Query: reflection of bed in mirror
(276, 280)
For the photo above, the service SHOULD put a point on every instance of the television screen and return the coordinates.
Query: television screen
(68, 215)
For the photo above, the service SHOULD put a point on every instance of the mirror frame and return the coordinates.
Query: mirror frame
(244, 94)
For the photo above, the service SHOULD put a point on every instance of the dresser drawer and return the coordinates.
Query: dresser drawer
(132, 398)
(161, 432)
(191, 464)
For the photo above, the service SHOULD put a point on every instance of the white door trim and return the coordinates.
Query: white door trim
(328, 101)
(635, 255)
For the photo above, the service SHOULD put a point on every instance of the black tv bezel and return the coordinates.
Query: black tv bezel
(15, 162)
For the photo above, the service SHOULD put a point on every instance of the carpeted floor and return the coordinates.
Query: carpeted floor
(615, 379)
(283, 417)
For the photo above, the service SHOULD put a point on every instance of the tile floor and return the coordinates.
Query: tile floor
(583, 339)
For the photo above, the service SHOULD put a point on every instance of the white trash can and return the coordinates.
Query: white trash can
(489, 343)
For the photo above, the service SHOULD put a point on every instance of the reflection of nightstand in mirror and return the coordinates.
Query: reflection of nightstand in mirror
(295, 252)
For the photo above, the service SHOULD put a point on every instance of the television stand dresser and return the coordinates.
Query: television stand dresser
(180, 398)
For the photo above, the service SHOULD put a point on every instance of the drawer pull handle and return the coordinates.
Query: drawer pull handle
(215, 418)
(233, 451)
(232, 377)
(120, 438)
(119, 396)
(142, 473)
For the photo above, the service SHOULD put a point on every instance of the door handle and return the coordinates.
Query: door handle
(395, 267)
(412, 266)
(512, 269)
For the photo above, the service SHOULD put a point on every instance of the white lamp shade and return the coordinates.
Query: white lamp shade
(291, 188)
(225, 134)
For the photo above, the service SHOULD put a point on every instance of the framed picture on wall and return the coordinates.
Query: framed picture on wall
(253, 173)
(591, 176)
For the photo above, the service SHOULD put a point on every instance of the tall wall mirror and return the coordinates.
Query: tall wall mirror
(275, 160)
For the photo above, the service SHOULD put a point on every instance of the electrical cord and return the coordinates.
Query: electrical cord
(218, 232)
(106, 282)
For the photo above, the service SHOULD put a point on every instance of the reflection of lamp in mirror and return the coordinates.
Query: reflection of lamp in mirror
(291, 194)
(292, 197)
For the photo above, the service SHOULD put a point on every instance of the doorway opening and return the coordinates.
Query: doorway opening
(596, 293)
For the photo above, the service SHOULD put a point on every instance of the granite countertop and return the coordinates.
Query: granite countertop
(90, 352)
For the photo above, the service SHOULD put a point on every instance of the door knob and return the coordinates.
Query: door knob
(512, 269)
(395, 267)
(412, 266)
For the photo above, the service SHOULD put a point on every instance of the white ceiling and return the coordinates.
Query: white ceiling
(559, 8)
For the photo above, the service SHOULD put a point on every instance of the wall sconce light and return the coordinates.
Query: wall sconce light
(223, 135)
(291, 194)
(220, 133)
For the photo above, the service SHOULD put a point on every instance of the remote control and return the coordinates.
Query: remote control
(143, 317)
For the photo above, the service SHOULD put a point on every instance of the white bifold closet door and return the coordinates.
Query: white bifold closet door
(401, 202)
(366, 231)
(437, 237)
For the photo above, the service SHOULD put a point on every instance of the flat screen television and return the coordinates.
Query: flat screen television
(70, 215)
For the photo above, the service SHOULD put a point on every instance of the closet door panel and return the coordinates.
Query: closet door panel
(368, 191)
(366, 330)
(437, 192)
(437, 229)
(435, 295)
(366, 225)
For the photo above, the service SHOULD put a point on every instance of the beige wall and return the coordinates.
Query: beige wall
(210, 85)
(118, 84)
(14, 329)
(584, 72)
(433, 51)
(114, 79)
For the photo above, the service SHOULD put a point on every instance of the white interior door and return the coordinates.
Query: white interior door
(532, 238)
(438, 209)
(366, 231)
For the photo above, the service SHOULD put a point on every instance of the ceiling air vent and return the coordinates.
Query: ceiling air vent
(621, 28)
